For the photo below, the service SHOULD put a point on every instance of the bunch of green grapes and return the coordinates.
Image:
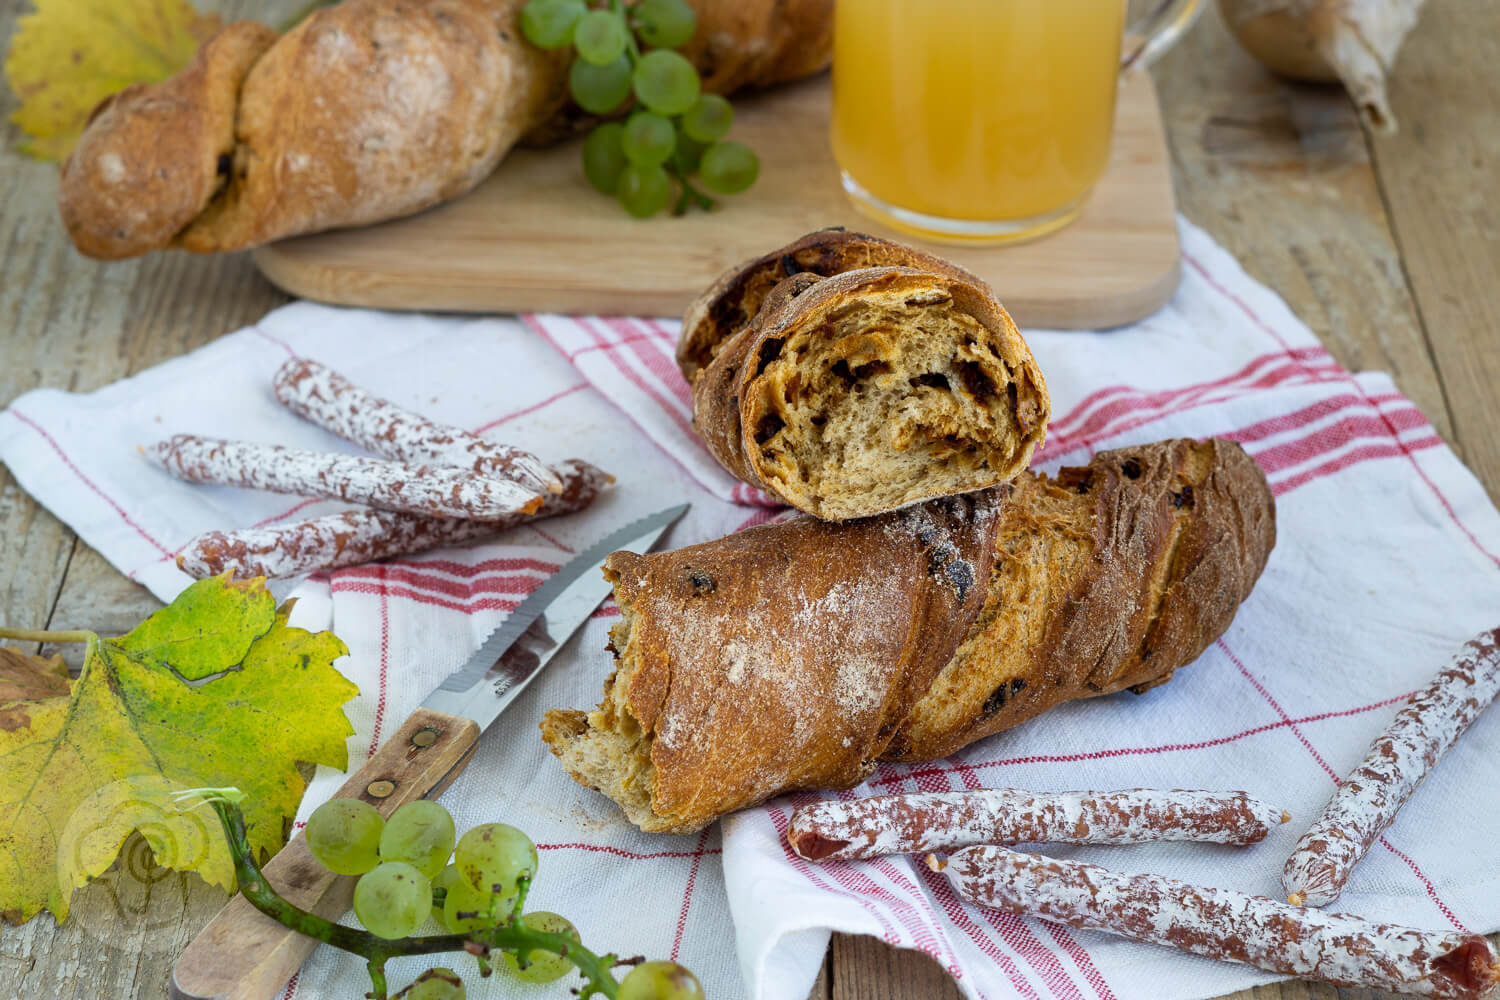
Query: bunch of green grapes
(625, 60)
(405, 877)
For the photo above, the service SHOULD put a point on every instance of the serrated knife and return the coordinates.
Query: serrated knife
(243, 954)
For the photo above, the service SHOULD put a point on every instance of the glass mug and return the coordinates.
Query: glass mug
(982, 120)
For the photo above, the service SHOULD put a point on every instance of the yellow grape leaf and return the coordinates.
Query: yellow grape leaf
(213, 690)
(68, 55)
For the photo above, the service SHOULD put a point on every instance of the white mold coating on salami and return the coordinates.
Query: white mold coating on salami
(321, 395)
(945, 821)
(1368, 800)
(354, 537)
(434, 491)
(1229, 926)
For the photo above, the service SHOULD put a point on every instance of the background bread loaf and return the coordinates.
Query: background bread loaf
(366, 110)
(798, 655)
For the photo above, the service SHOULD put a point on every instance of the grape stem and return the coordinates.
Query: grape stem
(512, 935)
(617, 7)
(690, 194)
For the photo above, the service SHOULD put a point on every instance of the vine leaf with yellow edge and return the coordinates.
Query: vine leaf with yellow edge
(68, 55)
(213, 690)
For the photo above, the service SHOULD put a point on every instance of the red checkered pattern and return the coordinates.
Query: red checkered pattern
(1386, 560)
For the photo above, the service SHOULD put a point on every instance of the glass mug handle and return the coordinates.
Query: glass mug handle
(1155, 32)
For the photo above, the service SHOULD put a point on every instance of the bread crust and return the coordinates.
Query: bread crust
(734, 299)
(813, 642)
(412, 105)
(736, 394)
(366, 110)
(152, 157)
(1105, 578)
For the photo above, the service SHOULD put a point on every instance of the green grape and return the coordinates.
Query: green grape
(420, 833)
(542, 966)
(648, 139)
(689, 152)
(666, 82)
(476, 905)
(493, 856)
(393, 900)
(446, 880)
(600, 37)
(664, 24)
(436, 984)
(344, 835)
(600, 89)
(708, 119)
(603, 157)
(660, 981)
(729, 167)
(644, 191)
(548, 24)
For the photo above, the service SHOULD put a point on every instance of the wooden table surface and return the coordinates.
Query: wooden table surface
(1386, 246)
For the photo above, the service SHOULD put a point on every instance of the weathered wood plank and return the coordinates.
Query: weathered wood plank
(1441, 178)
(866, 968)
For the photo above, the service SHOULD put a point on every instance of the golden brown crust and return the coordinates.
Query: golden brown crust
(742, 44)
(150, 158)
(730, 653)
(1148, 560)
(737, 295)
(810, 663)
(761, 406)
(367, 110)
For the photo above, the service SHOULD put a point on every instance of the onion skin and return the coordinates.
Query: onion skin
(1324, 41)
(1281, 42)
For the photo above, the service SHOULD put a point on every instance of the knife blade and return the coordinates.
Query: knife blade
(243, 954)
(531, 634)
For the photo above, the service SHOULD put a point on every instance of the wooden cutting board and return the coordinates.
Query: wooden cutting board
(535, 237)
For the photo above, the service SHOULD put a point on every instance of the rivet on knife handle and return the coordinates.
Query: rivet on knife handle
(245, 955)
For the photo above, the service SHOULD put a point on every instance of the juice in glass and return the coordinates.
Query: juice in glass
(983, 119)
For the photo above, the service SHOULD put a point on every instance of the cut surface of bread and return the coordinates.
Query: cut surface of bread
(800, 654)
(885, 394)
(872, 390)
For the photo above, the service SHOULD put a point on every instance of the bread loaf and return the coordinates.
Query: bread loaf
(366, 110)
(849, 375)
(798, 655)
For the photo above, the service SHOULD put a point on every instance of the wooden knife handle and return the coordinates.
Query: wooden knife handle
(245, 955)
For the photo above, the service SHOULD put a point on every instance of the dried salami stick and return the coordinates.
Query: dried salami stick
(361, 536)
(317, 393)
(1369, 798)
(430, 490)
(1229, 926)
(946, 821)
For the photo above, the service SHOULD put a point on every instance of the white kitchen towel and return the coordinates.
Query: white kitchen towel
(1388, 558)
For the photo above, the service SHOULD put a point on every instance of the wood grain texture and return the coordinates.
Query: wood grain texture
(1440, 175)
(516, 243)
(866, 968)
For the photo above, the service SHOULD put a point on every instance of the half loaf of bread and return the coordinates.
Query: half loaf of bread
(891, 379)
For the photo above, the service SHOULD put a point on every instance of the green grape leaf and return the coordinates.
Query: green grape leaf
(214, 690)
